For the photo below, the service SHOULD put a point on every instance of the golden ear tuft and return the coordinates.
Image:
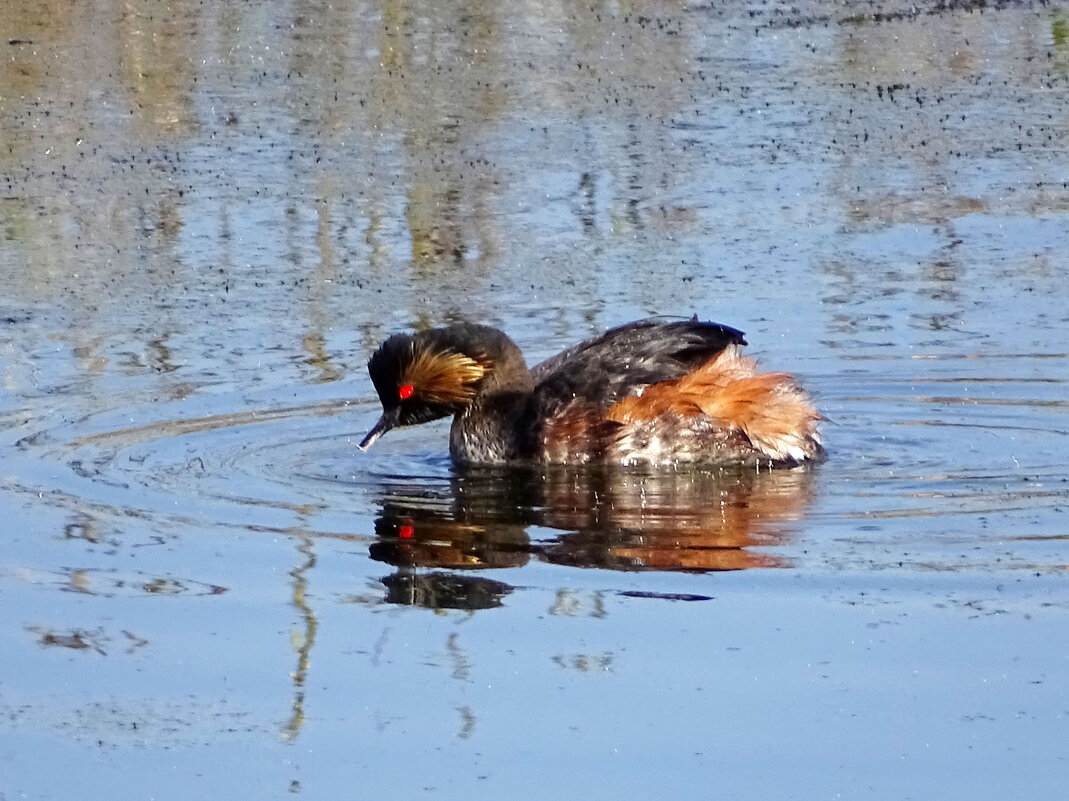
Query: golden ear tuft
(442, 376)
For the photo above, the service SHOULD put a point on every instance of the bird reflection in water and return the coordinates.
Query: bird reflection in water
(613, 519)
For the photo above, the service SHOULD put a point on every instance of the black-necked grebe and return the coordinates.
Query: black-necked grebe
(650, 392)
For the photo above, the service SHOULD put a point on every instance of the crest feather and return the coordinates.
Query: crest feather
(442, 376)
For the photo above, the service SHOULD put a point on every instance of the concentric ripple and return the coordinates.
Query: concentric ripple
(275, 467)
(950, 462)
(945, 469)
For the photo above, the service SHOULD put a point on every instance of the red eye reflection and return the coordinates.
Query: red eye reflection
(406, 391)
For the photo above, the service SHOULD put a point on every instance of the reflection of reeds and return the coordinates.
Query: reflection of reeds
(303, 639)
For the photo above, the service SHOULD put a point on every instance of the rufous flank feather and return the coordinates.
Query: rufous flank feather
(770, 408)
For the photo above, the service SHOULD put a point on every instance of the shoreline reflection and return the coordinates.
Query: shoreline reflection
(694, 521)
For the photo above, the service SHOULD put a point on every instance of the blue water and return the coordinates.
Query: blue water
(212, 214)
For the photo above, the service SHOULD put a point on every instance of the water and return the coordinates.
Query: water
(212, 213)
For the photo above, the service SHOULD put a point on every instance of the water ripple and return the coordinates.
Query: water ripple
(899, 453)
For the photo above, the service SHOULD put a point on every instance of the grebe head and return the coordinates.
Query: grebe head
(435, 373)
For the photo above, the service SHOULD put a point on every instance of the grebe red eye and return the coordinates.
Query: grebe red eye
(406, 391)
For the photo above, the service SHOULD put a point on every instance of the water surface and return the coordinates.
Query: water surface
(210, 215)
